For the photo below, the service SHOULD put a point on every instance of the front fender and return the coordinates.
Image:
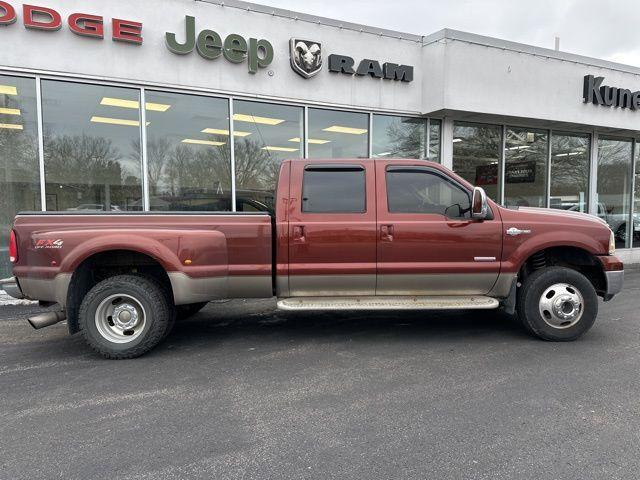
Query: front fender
(518, 249)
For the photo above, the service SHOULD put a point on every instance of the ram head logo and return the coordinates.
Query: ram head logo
(306, 57)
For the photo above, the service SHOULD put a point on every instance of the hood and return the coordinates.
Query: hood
(560, 214)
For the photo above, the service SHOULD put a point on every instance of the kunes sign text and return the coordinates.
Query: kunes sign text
(597, 93)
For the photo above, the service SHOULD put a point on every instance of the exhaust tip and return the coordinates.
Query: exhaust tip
(47, 319)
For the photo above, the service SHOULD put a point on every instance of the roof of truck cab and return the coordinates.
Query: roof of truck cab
(352, 160)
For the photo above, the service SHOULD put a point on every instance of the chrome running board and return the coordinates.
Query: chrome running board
(476, 302)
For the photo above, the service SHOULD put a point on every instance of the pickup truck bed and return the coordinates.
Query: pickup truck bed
(205, 256)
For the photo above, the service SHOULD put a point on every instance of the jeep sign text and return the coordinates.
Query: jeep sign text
(209, 45)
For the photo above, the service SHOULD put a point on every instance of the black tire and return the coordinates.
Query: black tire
(151, 305)
(185, 311)
(531, 294)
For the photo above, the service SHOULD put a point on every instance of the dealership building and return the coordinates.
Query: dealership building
(191, 105)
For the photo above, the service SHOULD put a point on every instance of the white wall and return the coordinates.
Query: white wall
(479, 78)
(63, 51)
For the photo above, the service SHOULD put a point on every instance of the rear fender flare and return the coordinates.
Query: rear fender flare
(130, 241)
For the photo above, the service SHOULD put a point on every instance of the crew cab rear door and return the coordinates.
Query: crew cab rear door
(422, 250)
(332, 228)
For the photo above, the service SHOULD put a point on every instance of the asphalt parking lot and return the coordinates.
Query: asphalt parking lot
(244, 391)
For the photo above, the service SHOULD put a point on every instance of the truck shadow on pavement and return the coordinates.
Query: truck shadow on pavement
(224, 322)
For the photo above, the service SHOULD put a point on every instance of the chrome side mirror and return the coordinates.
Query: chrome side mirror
(479, 204)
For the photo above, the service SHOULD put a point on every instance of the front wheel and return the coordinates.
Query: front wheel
(125, 316)
(557, 304)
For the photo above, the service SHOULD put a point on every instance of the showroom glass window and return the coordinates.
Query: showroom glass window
(91, 147)
(525, 171)
(435, 139)
(570, 154)
(19, 171)
(264, 135)
(335, 134)
(476, 155)
(399, 137)
(188, 152)
(614, 186)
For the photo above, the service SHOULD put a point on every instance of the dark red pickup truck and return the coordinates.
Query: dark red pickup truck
(347, 234)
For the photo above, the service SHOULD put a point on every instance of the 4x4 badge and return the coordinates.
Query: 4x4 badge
(49, 243)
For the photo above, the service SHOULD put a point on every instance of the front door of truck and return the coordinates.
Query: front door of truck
(332, 228)
(427, 242)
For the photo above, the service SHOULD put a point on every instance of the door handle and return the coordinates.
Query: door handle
(386, 233)
(298, 234)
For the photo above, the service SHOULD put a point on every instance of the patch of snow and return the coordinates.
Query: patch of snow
(7, 300)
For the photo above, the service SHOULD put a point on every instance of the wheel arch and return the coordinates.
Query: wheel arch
(107, 263)
(569, 256)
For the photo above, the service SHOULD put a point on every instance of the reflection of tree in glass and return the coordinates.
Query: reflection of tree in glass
(569, 172)
(158, 150)
(524, 187)
(19, 159)
(614, 173)
(256, 169)
(81, 159)
(19, 174)
(187, 169)
(406, 139)
(477, 146)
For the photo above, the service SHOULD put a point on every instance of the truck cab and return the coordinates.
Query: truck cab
(388, 228)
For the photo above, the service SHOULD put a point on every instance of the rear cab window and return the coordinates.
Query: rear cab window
(334, 189)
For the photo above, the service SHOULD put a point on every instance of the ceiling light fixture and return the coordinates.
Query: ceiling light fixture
(216, 131)
(209, 143)
(313, 141)
(117, 121)
(241, 117)
(133, 104)
(11, 126)
(348, 130)
(280, 149)
(10, 111)
(8, 90)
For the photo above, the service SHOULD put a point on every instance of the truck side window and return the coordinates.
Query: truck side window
(333, 189)
(416, 190)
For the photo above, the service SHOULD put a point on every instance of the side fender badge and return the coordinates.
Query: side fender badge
(514, 232)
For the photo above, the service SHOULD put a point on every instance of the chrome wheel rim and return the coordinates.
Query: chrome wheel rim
(120, 318)
(561, 305)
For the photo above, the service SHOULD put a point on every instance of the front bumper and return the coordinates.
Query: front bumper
(12, 287)
(615, 282)
(614, 275)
